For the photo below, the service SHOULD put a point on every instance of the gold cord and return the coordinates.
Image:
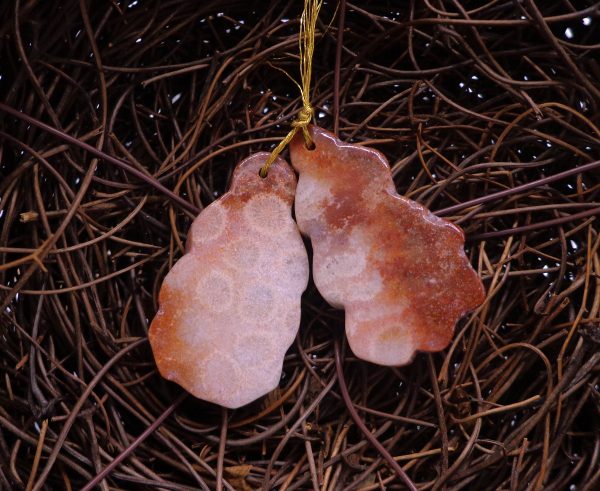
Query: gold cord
(306, 47)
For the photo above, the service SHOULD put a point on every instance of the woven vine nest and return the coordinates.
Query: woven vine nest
(466, 99)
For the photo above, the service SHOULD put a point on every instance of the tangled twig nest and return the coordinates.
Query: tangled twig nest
(467, 100)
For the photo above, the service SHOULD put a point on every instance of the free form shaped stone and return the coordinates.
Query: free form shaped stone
(399, 271)
(230, 307)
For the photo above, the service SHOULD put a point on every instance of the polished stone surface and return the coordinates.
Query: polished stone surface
(230, 307)
(399, 271)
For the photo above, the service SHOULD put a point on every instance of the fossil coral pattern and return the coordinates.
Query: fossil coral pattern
(230, 307)
(399, 271)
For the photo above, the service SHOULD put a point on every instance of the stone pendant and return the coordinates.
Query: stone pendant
(399, 271)
(230, 307)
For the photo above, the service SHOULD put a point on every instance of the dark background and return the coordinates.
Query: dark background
(466, 99)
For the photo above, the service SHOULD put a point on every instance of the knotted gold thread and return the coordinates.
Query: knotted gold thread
(306, 48)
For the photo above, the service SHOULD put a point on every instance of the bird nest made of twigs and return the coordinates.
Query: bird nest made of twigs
(119, 120)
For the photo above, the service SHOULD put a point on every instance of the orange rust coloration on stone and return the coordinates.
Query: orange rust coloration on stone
(230, 307)
(399, 271)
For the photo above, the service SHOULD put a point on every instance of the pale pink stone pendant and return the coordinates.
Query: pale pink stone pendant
(230, 307)
(399, 271)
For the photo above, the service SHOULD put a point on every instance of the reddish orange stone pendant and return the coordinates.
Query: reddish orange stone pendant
(399, 271)
(230, 307)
